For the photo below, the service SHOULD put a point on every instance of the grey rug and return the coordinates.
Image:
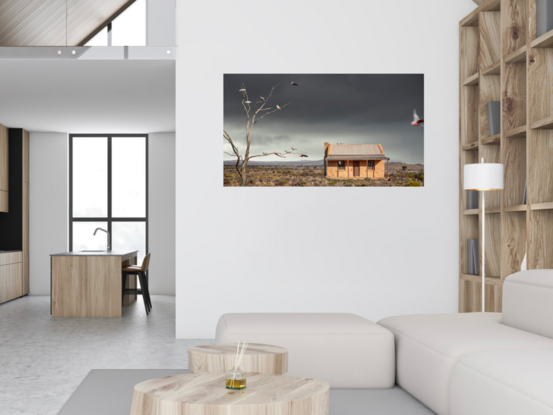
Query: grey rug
(109, 392)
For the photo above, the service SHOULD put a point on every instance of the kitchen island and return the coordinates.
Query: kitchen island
(88, 284)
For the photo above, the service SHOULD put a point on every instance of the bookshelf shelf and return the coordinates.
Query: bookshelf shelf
(519, 132)
(472, 80)
(493, 69)
(515, 208)
(501, 59)
(518, 56)
(543, 124)
(543, 42)
(471, 146)
(494, 139)
(541, 206)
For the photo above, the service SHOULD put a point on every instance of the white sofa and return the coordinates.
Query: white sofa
(482, 363)
(345, 350)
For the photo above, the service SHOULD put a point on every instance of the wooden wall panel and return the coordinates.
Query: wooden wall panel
(513, 105)
(513, 25)
(490, 39)
(85, 18)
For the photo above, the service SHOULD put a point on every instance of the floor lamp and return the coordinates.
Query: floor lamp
(483, 177)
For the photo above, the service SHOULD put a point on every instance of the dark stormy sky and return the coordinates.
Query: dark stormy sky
(349, 109)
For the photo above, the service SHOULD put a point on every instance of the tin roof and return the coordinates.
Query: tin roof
(356, 150)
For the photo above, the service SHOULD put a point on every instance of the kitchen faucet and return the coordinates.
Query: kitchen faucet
(109, 237)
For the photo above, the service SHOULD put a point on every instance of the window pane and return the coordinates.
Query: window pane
(130, 236)
(128, 156)
(101, 38)
(84, 238)
(129, 28)
(90, 177)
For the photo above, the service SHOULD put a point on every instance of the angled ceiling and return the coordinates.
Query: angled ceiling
(111, 96)
(55, 22)
(479, 2)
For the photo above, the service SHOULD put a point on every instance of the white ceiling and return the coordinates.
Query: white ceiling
(84, 96)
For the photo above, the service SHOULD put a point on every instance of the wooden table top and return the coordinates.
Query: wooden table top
(262, 358)
(205, 393)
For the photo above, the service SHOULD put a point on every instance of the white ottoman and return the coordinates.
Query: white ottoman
(344, 350)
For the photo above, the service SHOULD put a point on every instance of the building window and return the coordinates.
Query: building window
(108, 185)
(341, 165)
(371, 164)
(127, 29)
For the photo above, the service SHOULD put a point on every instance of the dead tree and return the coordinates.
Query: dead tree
(253, 116)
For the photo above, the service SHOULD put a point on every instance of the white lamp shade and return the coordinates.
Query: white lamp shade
(483, 176)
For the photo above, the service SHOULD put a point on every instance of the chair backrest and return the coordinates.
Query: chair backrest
(528, 301)
(145, 263)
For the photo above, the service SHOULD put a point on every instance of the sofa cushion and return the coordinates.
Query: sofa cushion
(427, 347)
(528, 301)
(503, 382)
(346, 350)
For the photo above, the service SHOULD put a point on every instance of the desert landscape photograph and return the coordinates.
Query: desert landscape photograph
(323, 130)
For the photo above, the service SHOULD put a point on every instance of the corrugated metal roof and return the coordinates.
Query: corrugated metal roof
(356, 150)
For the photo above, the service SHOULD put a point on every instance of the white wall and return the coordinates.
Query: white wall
(162, 212)
(375, 252)
(160, 26)
(48, 220)
(49, 208)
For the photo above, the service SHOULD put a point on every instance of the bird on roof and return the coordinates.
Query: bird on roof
(278, 108)
(293, 84)
(417, 122)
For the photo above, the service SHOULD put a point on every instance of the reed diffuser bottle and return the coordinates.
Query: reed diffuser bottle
(236, 378)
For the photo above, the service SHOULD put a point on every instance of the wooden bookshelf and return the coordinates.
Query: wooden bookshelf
(502, 60)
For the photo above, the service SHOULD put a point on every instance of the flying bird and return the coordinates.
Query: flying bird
(293, 84)
(278, 108)
(417, 122)
(303, 155)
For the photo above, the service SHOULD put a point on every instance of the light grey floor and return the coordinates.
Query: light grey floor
(43, 360)
(116, 386)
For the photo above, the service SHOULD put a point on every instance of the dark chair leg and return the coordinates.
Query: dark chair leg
(143, 296)
(146, 289)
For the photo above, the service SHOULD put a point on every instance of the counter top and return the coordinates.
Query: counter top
(101, 253)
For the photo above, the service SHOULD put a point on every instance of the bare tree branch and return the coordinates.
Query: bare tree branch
(264, 115)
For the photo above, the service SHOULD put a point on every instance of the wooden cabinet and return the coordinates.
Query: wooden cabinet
(4, 167)
(14, 225)
(11, 281)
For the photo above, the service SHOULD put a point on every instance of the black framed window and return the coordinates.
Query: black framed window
(108, 188)
(341, 165)
(370, 164)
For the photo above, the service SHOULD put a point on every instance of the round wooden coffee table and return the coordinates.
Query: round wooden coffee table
(205, 394)
(259, 358)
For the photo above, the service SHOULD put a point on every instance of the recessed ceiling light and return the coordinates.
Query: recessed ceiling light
(59, 52)
(73, 52)
(168, 52)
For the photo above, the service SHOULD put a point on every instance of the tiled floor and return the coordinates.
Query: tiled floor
(43, 360)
